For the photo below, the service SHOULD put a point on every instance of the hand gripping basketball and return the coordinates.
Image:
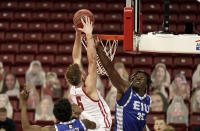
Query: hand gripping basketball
(87, 26)
(81, 14)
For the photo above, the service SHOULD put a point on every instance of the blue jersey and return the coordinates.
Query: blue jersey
(73, 125)
(131, 111)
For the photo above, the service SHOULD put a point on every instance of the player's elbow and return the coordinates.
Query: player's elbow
(76, 60)
(92, 59)
(89, 124)
(93, 125)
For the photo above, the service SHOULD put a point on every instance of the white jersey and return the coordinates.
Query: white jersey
(98, 109)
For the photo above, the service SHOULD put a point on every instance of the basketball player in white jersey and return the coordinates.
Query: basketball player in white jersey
(84, 93)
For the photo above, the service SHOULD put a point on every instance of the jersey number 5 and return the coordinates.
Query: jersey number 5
(78, 100)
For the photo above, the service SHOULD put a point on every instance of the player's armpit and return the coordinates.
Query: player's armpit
(114, 76)
(90, 81)
(89, 124)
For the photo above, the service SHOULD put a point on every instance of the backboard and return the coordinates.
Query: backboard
(135, 41)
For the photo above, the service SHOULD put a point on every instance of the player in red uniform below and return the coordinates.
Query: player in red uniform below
(84, 93)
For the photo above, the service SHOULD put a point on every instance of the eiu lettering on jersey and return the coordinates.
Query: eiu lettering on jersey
(131, 111)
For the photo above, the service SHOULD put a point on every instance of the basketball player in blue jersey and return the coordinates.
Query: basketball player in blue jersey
(133, 103)
(63, 113)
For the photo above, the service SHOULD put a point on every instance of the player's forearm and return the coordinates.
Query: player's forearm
(106, 62)
(114, 76)
(77, 48)
(24, 117)
(91, 50)
(26, 126)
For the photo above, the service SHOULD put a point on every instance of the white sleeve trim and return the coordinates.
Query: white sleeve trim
(56, 128)
(128, 99)
(83, 125)
(150, 101)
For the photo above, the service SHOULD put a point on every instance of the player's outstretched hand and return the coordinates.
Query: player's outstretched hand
(87, 26)
(24, 96)
(76, 110)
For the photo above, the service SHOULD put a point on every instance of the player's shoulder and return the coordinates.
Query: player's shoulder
(76, 122)
(129, 91)
(148, 98)
(73, 122)
(80, 123)
(76, 90)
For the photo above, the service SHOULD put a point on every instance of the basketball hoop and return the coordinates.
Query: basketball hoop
(109, 44)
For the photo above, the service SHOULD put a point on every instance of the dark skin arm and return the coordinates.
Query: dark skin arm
(114, 76)
(26, 126)
(145, 129)
(76, 112)
(89, 124)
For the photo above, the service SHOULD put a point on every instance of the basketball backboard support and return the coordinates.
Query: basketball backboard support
(132, 24)
(135, 41)
(135, 5)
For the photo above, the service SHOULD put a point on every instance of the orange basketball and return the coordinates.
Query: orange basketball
(81, 14)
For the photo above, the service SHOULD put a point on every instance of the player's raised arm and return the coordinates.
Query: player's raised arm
(114, 76)
(91, 54)
(26, 126)
(77, 48)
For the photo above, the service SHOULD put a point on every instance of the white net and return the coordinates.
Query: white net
(109, 46)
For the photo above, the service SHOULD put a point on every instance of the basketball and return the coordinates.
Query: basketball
(81, 14)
